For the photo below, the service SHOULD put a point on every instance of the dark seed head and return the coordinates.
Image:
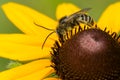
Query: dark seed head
(91, 54)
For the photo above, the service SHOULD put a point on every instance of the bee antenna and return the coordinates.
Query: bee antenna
(44, 27)
(47, 38)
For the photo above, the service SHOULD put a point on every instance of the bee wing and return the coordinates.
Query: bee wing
(85, 10)
(82, 11)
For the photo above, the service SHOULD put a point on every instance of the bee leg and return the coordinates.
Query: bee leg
(61, 38)
(78, 25)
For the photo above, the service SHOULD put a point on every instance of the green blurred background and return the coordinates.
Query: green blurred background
(48, 7)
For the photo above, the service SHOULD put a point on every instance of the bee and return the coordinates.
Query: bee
(69, 22)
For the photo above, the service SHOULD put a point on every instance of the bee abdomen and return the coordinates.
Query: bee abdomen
(85, 19)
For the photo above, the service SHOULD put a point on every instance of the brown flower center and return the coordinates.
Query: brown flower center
(90, 54)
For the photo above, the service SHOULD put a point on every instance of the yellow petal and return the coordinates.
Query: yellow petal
(24, 70)
(38, 75)
(24, 17)
(111, 18)
(22, 52)
(51, 79)
(65, 9)
(24, 39)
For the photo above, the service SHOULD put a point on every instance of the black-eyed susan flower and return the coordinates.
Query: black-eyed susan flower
(88, 54)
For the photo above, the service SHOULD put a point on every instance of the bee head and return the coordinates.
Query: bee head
(62, 20)
(60, 31)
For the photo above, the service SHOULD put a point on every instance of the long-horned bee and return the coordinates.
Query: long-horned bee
(69, 22)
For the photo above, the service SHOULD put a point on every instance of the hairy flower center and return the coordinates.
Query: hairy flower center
(89, 54)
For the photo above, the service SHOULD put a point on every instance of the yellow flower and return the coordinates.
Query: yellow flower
(27, 46)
